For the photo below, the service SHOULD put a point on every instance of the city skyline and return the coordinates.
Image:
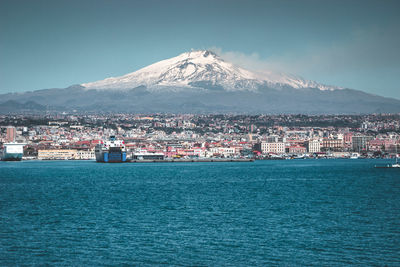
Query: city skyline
(47, 44)
(189, 136)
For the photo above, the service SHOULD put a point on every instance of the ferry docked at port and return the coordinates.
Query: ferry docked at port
(111, 151)
(12, 151)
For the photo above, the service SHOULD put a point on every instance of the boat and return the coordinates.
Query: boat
(12, 151)
(395, 165)
(303, 156)
(111, 151)
(354, 156)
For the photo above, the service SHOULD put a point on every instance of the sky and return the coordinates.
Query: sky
(55, 44)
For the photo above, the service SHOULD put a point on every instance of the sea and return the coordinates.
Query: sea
(324, 212)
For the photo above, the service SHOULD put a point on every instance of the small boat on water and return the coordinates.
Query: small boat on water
(395, 165)
(355, 156)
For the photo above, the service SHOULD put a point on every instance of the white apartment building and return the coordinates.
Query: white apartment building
(60, 154)
(65, 154)
(225, 151)
(278, 148)
(85, 154)
(314, 146)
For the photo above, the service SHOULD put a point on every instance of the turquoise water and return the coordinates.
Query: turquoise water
(294, 212)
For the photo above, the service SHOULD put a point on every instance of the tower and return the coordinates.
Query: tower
(11, 134)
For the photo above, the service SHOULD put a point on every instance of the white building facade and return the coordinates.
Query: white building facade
(278, 148)
(314, 146)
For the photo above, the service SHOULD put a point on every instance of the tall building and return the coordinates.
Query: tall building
(347, 140)
(361, 142)
(11, 134)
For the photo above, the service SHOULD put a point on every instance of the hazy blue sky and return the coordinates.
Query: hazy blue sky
(51, 44)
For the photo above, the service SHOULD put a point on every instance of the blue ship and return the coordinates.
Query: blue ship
(111, 151)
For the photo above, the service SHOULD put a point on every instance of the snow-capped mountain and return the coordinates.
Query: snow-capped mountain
(202, 70)
(200, 82)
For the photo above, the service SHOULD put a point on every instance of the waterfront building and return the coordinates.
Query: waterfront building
(59, 154)
(332, 144)
(85, 155)
(376, 145)
(391, 146)
(347, 140)
(313, 146)
(296, 149)
(361, 142)
(223, 151)
(277, 148)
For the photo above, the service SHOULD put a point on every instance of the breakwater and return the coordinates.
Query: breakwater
(187, 160)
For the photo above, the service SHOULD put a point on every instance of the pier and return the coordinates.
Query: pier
(187, 160)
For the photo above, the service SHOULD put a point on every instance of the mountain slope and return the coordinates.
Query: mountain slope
(202, 82)
(11, 106)
(202, 70)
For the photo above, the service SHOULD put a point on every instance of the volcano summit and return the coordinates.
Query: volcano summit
(202, 70)
(202, 82)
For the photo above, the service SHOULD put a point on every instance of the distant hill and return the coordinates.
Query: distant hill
(12, 106)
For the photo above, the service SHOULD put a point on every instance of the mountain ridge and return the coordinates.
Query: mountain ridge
(202, 82)
(199, 70)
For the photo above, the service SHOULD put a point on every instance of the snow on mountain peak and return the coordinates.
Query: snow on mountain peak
(201, 69)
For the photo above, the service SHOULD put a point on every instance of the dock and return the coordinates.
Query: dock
(186, 160)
